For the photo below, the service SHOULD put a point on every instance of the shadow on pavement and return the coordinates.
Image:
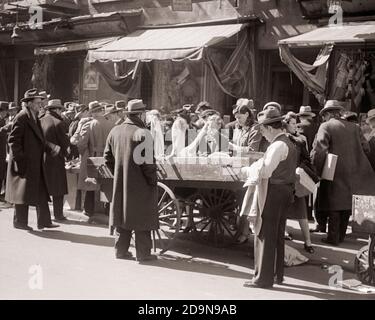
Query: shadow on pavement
(73, 237)
(321, 293)
(199, 266)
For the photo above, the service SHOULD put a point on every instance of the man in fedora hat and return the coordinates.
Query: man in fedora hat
(134, 201)
(112, 114)
(90, 138)
(353, 173)
(55, 131)
(274, 195)
(121, 105)
(26, 176)
(307, 125)
(81, 111)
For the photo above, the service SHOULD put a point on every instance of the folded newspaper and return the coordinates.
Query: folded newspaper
(356, 285)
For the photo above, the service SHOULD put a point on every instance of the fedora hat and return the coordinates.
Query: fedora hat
(111, 109)
(203, 105)
(55, 104)
(120, 104)
(79, 109)
(349, 115)
(135, 106)
(331, 105)
(269, 116)
(95, 106)
(272, 104)
(370, 115)
(44, 95)
(13, 106)
(305, 111)
(31, 95)
(4, 106)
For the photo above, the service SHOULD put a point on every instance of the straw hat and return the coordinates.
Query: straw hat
(370, 115)
(272, 105)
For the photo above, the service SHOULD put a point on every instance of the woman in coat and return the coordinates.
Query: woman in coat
(298, 209)
(134, 200)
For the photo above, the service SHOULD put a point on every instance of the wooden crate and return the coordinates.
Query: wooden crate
(186, 169)
(363, 214)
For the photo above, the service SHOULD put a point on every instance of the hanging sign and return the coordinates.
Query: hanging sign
(182, 5)
(90, 78)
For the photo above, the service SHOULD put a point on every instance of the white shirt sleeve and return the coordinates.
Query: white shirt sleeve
(276, 152)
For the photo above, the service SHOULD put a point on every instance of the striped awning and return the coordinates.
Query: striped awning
(176, 43)
(74, 46)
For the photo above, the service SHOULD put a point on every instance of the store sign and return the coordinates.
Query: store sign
(182, 5)
(90, 78)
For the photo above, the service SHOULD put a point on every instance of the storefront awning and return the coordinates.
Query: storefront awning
(346, 34)
(177, 43)
(74, 46)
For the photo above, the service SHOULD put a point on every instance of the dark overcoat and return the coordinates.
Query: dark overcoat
(309, 130)
(25, 167)
(353, 175)
(134, 200)
(55, 131)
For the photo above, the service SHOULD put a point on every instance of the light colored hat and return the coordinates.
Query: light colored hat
(54, 103)
(79, 109)
(95, 106)
(243, 105)
(31, 95)
(305, 111)
(111, 109)
(272, 104)
(120, 104)
(135, 106)
(332, 105)
(44, 95)
(370, 115)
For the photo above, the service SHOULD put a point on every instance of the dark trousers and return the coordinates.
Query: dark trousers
(89, 204)
(143, 242)
(269, 243)
(58, 206)
(337, 224)
(321, 218)
(21, 211)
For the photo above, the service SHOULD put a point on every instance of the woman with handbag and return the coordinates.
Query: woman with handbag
(298, 210)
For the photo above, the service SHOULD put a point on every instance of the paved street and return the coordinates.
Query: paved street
(77, 262)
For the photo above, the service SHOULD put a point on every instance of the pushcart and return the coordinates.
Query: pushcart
(199, 195)
(364, 222)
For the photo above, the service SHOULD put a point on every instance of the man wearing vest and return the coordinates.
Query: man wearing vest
(273, 194)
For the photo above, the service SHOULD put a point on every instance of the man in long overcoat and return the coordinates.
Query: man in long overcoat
(26, 176)
(353, 174)
(55, 131)
(90, 138)
(3, 141)
(134, 200)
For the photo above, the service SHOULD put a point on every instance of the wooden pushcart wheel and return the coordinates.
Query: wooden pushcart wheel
(169, 219)
(364, 264)
(214, 213)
